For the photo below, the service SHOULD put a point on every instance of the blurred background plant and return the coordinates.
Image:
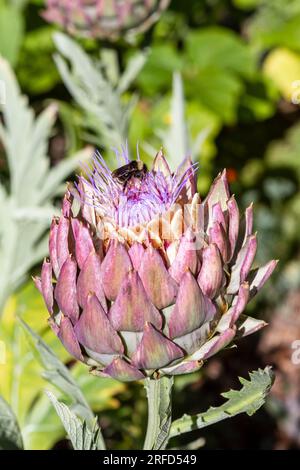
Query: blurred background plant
(219, 80)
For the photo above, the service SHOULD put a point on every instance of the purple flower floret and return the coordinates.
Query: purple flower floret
(136, 202)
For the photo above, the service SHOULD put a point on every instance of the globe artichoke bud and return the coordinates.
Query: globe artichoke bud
(107, 19)
(144, 279)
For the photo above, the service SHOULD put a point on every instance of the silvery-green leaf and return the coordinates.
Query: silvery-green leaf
(177, 140)
(106, 114)
(134, 66)
(61, 171)
(80, 435)
(58, 374)
(25, 202)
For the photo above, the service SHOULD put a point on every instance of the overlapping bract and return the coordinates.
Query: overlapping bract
(104, 18)
(157, 298)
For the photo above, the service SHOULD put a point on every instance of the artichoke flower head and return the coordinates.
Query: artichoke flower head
(108, 19)
(145, 279)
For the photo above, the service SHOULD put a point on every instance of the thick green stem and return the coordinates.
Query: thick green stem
(159, 395)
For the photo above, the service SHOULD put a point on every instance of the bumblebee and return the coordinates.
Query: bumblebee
(133, 171)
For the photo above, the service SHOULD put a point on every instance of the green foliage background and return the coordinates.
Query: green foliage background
(240, 62)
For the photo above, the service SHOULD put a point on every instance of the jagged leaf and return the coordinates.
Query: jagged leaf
(81, 436)
(105, 113)
(246, 400)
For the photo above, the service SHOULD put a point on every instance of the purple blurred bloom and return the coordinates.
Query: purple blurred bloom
(104, 18)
